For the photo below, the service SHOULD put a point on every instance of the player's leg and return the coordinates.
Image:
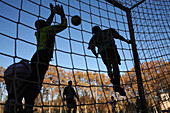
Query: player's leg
(74, 106)
(112, 110)
(20, 93)
(32, 86)
(69, 101)
(69, 109)
(39, 65)
(30, 96)
(10, 105)
(116, 74)
(14, 102)
(109, 70)
(21, 89)
(106, 61)
(137, 109)
(115, 61)
(9, 81)
(35, 84)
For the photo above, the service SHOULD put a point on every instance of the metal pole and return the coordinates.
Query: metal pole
(134, 49)
(137, 4)
(137, 66)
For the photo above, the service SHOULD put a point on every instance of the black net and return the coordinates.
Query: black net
(73, 61)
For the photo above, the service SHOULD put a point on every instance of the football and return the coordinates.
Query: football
(76, 20)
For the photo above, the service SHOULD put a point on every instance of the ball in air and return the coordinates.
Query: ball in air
(76, 20)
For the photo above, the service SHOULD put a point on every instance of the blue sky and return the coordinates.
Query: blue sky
(22, 33)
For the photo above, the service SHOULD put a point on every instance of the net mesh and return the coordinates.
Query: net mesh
(73, 61)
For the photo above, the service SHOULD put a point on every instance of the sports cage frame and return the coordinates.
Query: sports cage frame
(144, 64)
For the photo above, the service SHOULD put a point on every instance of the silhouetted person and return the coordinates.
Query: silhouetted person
(113, 103)
(70, 94)
(14, 77)
(45, 36)
(103, 40)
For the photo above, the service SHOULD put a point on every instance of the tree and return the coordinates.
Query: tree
(2, 87)
(155, 81)
(95, 88)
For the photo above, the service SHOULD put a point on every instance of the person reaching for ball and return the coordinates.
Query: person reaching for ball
(103, 40)
(45, 37)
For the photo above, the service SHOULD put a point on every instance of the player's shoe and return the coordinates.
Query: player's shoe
(120, 90)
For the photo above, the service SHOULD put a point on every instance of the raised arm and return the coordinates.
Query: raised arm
(58, 28)
(116, 35)
(50, 18)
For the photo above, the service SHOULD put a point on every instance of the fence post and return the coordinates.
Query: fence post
(137, 65)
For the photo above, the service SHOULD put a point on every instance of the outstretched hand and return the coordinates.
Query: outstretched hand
(59, 10)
